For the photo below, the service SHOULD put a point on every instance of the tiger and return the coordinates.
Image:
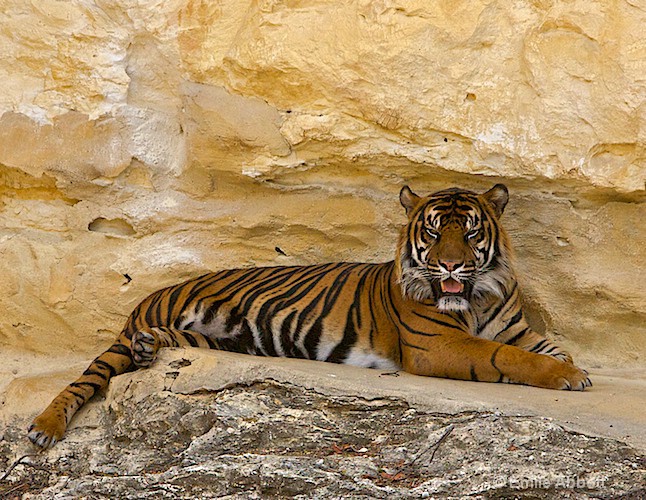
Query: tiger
(448, 305)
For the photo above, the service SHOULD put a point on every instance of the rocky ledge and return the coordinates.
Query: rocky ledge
(215, 424)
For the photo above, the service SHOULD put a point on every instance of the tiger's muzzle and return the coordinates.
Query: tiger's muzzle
(452, 293)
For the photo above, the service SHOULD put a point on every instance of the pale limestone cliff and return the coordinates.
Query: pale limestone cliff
(145, 142)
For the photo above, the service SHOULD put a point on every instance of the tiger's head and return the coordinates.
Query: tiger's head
(453, 249)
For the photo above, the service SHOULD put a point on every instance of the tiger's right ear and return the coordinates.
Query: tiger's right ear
(408, 199)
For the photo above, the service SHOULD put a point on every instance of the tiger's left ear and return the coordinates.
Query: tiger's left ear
(497, 197)
(408, 199)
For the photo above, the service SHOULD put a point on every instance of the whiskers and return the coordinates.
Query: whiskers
(416, 283)
(490, 281)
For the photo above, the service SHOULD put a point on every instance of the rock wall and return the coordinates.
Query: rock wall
(143, 143)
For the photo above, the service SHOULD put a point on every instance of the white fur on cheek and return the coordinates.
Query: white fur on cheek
(492, 282)
(415, 284)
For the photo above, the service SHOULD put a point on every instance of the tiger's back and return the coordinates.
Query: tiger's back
(261, 311)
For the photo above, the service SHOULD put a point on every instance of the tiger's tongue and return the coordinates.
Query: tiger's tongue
(451, 286)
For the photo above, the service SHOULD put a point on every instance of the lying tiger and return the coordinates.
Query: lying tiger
(447, 306)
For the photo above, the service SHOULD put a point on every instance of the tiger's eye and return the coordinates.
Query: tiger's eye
(432, 232)
(472, 233)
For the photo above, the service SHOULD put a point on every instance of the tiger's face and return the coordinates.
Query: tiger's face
(453, 248)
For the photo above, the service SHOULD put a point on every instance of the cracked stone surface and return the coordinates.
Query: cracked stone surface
(184, 428)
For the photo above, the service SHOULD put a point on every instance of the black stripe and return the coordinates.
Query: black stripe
(439, 322)
(233, 319)
(172, 301)
(279, 277)
(89, 372)
(159, 308)
(515, 338)
(246, 276)
(312, 338)
(150, 309)
(408, 344)
(386, 294)
(352, 325)
(201, 284)
(493, 362)
(267, 340)
(241, 310)
(371, 302)
(120, 349)
(287, 298)
(240, 343)
(424, 334)
(333, 291)
(212, 343)
(171, 336)
(131, 325)
(94, 386)
(539, 346)
(305, 313)
(517, 317)
(191, 340)
(195, 285)
(78, 396)
(405, 325)
(109, 367)
(497, 311)
(285, 335)
(474, 377)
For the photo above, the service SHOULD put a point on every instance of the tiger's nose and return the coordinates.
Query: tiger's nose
(450, 265)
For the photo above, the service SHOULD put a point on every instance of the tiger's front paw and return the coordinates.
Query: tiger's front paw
(569, 377)
(47, 429)
(144, 346)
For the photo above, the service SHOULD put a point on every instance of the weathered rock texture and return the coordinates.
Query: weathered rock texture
(204, 424)
(144, 142)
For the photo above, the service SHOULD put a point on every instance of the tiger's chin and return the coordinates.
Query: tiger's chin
(452, 295)
(453, 303)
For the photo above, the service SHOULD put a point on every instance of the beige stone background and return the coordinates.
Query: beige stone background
(145, 142)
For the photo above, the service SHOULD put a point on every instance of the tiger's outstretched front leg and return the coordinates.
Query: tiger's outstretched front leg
(509, 326)
(462, 356)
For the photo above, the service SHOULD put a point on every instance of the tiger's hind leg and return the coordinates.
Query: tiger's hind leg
(145, 343)
(126, 354)
(50, 425)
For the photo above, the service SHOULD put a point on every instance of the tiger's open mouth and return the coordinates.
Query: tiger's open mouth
(451, 286)
(453, 295)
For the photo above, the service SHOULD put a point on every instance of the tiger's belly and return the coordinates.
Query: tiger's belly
(364, 359)
(287, 333)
